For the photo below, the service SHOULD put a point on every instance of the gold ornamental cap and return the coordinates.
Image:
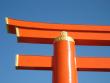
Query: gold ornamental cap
(64, 36)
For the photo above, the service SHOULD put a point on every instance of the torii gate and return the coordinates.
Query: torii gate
(64, 63)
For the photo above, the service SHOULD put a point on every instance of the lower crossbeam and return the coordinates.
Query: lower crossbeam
(29, 62)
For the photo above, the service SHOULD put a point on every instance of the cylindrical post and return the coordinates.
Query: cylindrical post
(64, 61)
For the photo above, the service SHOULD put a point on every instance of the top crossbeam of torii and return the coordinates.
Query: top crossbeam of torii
(39, 32)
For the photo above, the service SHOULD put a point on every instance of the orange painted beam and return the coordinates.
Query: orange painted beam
(93, 64)
(47, 37)
(45, 63)
(13, 23)
(33, 62)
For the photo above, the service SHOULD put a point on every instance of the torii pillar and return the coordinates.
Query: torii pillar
(64, 63)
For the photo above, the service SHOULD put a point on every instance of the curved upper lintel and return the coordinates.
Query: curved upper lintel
(13, 23)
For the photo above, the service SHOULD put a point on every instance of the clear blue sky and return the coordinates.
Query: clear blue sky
(52, 11)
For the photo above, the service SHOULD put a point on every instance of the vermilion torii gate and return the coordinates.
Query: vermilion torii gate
(64, 63)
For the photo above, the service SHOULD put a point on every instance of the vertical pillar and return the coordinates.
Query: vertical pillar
(64, 63)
